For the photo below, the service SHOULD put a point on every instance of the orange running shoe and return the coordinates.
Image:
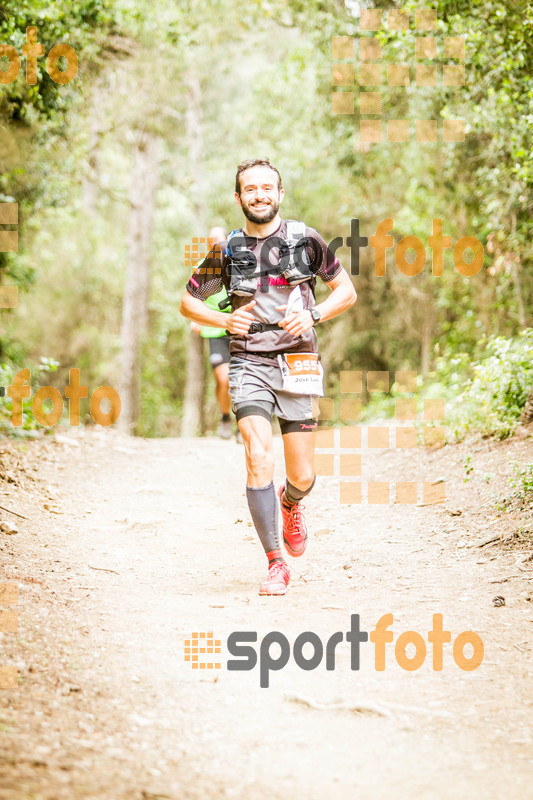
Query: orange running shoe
(277, 579)
(294, 528)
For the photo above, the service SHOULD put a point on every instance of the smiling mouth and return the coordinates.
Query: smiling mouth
(261, 205)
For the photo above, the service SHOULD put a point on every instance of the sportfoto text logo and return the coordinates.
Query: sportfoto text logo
(32, 50)
(74, 392)
(274, 650)
(409, 264)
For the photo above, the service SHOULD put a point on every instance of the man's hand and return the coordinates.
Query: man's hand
(239, 321)
(296, 323)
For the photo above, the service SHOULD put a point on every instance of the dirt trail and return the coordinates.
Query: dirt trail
(107, 707)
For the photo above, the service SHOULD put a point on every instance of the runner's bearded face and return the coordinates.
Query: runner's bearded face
(260, 204)
(260, 210)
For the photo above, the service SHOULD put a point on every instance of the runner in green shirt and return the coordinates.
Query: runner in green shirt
(219, 352)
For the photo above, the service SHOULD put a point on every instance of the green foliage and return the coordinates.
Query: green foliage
(492, 399)
(265, 77)
(29, 427)
(522, 480)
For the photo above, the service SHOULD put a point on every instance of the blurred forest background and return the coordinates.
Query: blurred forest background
(116, 171)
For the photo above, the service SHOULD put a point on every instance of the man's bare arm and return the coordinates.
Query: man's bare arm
(237, 322)
(343, 295)
(195, 309)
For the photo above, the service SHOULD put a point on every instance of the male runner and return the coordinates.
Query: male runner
(263, 378)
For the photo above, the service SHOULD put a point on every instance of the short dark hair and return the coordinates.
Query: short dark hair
(254, 162)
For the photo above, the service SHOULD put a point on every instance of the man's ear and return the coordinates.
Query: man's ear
(238, 199)
(281, 195)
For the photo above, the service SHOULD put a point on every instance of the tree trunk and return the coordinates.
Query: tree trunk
(515, 273)
(527, 413)
(193, 401)
(428, 322)
(136, 292)
(89, 182)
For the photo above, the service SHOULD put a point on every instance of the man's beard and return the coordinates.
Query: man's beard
(263, 217)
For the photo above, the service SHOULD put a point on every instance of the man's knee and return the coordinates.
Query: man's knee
(259, 459)
(303, 477)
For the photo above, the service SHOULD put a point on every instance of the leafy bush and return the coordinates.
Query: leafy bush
(493, 398)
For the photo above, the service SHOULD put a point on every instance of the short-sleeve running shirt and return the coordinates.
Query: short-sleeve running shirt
(213, 274)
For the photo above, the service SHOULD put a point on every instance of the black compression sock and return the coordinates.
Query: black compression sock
(292, 495)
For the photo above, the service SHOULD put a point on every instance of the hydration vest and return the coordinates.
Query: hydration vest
(293, 263)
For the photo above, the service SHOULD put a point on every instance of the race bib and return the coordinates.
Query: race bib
(302, 373)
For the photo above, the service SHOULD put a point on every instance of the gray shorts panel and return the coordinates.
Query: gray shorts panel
(250, 381)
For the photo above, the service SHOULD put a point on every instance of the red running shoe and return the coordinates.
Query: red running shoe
(277, 579)
(294, 527)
